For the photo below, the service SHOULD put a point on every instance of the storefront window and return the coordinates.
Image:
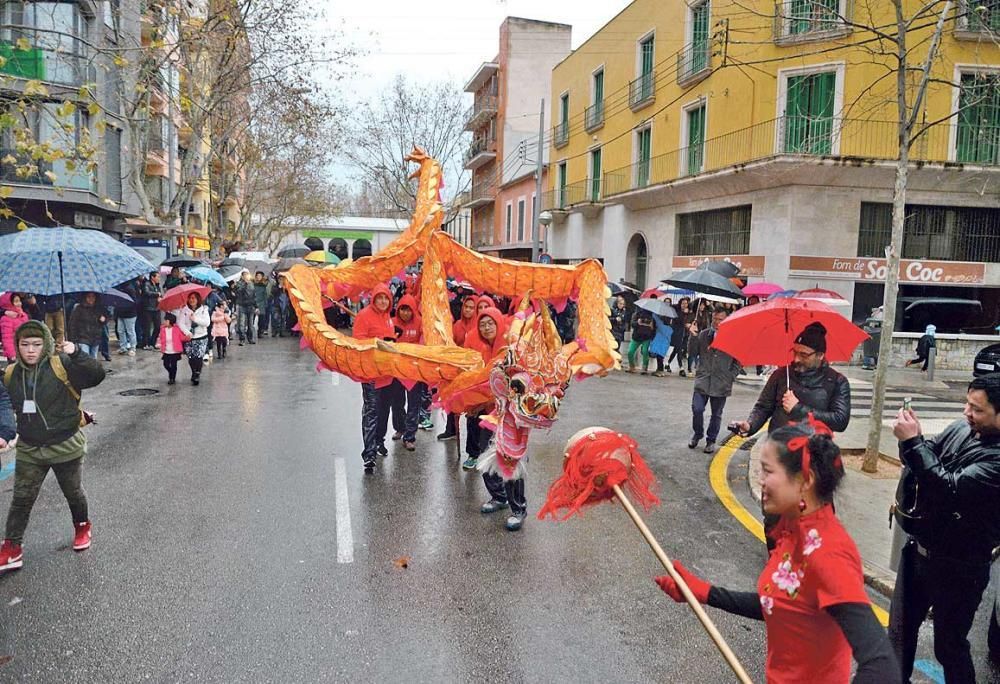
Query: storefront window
(942, 233)
(720, 231)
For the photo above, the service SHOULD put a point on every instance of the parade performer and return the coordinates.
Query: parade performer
(374, 322)
(811, 593)
(460, 328)
(461, 376)
(408, 326)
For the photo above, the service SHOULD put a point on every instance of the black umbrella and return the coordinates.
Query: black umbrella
(293, 252)
(658, 307)
(287, 263)
(704, 281)
(116, 298)
(624, 290)
(726, 269)
(183, 262)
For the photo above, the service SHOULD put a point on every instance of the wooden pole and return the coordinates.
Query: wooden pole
(699, 611)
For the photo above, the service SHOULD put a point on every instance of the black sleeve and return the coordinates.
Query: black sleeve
(973, 488)
(83, 372)
(872, 650)
(8, 420)
(766, 403)
(838, 415)
(743, 603)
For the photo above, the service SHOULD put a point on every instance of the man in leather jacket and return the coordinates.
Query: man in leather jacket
(808, 385)
(945, 563)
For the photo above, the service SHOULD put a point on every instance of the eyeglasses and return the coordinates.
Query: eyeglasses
(802, 355)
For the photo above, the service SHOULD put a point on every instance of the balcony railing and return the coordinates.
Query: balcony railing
(560, 134)
(694, 62)
(797, 21)
(594, 116)
(484, 109)
(642, 91)
(480, 151)
(977, 17)
(36, 172)
(483, 192)
(44, 64)
(805, 137)
(587, 191)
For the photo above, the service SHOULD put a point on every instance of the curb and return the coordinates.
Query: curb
(880, 579)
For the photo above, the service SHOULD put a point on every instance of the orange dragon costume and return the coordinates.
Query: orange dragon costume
(526, 378)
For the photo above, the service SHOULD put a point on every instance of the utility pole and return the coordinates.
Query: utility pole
(539, 153)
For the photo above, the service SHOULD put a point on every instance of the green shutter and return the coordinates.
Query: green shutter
(809, 110)
(598, 87)
(561, 199)
(699, 37)
(978, 139)
(696, 140)
(642, 171)
(647, 57)
(595, 175)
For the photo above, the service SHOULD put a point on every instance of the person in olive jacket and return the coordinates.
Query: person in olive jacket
(49, 431)
(713, 384)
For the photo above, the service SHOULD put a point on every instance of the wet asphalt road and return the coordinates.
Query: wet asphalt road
(215, 555)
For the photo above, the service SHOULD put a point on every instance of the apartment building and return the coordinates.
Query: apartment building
(507, 93)
(763, 132)
(63, 49)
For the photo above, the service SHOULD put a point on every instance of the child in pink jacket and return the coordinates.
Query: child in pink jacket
(220, 329)
(12, 319)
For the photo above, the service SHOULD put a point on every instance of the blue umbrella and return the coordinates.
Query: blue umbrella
(49, 261)
(784, 294)
(206, 275)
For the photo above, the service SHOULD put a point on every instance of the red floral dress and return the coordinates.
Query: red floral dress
(814, 565)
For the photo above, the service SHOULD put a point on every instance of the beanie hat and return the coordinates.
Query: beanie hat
(814, 337)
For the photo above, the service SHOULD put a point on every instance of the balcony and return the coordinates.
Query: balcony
(574, 196)
(560, 134)
(857, 141)
(483, 74)
(59, 67)
(481, 194)
(977, 20)
(482, 151)
(694, 63)
(642, 91)
(593, 117)
(481, 112)
(801, 22)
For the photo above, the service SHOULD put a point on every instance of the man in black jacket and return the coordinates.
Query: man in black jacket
(149, 313)
(945, 564)
(712, 385)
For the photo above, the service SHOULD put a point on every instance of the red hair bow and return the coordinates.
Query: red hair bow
(802, 443)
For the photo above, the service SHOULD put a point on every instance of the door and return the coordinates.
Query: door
(595, 176)
(809, 105)
(643, 143)
(696, 140)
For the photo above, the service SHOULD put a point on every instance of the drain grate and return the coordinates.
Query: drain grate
(140, 392)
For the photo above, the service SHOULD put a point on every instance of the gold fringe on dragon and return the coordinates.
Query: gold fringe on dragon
(461, 377)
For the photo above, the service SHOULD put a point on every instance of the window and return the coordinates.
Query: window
(808, 16)
(561, 192)
(594, 194)
(694, 159)
(113, 163)
(642, 89)
(595, 112)
(562, 128)
(719, 231)
(643, 148)
(809, 108)
(361, 248)
(520, 220)
(981, 15)
(699, 48)
(509, 223)
(933, 232)
(54, 30)
(978, 135)
(599, 87)
(646, 55)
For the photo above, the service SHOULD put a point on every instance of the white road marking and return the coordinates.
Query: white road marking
(345, 541)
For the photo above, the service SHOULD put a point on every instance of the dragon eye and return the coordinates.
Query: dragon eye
(517, 385)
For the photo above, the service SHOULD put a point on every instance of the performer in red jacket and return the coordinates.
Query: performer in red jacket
(374, 321)
(407, 401)
(811, 594)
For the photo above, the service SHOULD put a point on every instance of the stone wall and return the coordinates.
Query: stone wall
(954, 352)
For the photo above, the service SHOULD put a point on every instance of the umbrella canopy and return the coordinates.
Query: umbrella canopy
(726, 269)
(286, 264)
(762, 289)
(115, 298)
(230, 272)
(620, 289)
(206, 275)
(763, 334)
(657, 307)
(49, 261)
(828, 297)
(651, 293)
(176, 297)
(293, 252)
(716, 298)
(322, 256)
(251, 265)
(784, 294)
(704, 281)
(182, 262)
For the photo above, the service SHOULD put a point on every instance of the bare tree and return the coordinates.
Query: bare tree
(384, 130)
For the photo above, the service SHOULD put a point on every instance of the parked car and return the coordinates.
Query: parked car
(987, 361)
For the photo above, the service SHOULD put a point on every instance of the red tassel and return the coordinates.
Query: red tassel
(594, 464)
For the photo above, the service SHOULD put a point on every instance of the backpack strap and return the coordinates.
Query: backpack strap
(60, 372)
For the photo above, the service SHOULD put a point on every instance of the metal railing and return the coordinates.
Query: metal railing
(482, 192)
(484, 108)
(478, 146)
(594, 116)
(587, 191)
(978, 17)
(810, 19)
(560, 134)
(642, 90)
(693, 61)
(810, 137)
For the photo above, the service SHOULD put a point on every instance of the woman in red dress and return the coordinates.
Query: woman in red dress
(811, 594)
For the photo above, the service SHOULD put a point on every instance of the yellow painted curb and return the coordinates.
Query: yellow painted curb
(718, 477)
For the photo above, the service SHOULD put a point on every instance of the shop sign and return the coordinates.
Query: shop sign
(82, 219)
(875, 270)
(327, 234)
(748, 265)
(195, 242)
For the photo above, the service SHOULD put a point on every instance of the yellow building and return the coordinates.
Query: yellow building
(764, 131)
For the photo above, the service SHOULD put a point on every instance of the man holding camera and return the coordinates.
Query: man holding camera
(948, 502)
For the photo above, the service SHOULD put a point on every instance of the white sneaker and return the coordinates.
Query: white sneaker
(131, 352)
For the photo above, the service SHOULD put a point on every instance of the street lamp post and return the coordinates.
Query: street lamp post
(544, 219)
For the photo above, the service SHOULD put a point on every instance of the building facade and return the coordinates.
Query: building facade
(503, 119)
(347, 237)
(765, 133)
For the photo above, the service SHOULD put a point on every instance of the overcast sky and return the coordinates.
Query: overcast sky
(448, 39)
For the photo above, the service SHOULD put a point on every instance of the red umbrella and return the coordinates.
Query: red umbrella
(762, 289)
(763, 334)
(651, 293)
(176, 297)
(828, 297)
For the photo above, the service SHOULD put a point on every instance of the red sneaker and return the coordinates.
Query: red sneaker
(10, 555)
(81, 540)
